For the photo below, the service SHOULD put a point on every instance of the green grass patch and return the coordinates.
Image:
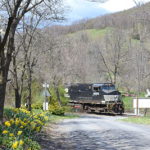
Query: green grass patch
(93, 33)
(37, 111)
(138, 120)
(128, 103)
(55, 118)
(97, 33)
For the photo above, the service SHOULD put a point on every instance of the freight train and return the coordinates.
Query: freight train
(99, 97)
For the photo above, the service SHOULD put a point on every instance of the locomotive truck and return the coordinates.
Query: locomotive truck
(99, 97)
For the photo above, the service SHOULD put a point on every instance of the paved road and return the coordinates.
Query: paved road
(92, 132)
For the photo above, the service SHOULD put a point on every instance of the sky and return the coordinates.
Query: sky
(84, 9)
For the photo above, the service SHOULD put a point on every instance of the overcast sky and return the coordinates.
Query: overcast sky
(84, 9)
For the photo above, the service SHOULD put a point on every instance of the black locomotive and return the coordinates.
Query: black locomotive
(99, 97)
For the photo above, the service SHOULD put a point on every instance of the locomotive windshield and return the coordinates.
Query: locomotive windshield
(108, 87)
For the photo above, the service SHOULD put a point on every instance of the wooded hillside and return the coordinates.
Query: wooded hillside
(112, 48)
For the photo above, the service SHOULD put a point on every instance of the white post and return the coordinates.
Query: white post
(45, 105)
(45, 95)
(136, 106)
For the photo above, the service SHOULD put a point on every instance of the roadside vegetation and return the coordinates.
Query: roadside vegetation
(128, 103)
(20, 128)
(138, 120)
(57, 118)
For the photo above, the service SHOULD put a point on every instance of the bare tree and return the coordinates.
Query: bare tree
(15, 11)
(27, 39)
(112, 54)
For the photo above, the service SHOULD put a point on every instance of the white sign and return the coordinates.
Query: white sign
(45, 85)
(142, 103)
(46, 93)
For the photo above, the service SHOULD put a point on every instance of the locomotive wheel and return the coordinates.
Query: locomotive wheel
(118, 108)
(88, 110)
(121, 109)
(115, 108)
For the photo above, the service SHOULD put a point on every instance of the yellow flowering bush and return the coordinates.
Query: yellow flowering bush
(5, 132)
(19, 133)
(7, 123)
(20, 129)
(11, 134)
(15, 145)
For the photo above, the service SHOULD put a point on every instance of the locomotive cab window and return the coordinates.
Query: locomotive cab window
(108, 87)
(96, 89)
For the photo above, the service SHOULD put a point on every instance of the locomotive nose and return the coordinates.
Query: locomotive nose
(111, 97)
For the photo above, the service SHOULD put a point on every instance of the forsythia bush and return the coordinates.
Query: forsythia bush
(20, 129)
(56, 109)
(37, 106)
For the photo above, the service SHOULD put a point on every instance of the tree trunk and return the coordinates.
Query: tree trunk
(16, 84)
(29, 88)
(58, 96)
(3, 82)
(29, 99)
(2, 99)
(17, 98)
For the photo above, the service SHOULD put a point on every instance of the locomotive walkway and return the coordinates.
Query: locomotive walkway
(95, 132)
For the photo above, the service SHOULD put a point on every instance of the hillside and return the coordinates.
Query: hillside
(106, 48)
(125, 19)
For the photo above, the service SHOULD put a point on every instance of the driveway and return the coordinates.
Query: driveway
(96, 132)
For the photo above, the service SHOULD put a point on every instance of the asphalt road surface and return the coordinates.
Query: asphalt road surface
(94, 132)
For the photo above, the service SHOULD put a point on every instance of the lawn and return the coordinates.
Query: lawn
(138, 120)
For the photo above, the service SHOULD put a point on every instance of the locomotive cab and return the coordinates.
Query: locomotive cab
(96, 88)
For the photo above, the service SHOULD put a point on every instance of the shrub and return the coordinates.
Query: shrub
(20, 129)
(37, 106)
(56, 109)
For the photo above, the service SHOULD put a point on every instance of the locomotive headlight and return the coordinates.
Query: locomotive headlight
(111, 97)
(66, 90)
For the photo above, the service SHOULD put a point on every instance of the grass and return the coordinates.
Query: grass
(93, 33)
(55, 118)
(128, 103)
(97, 33)
(138, 120)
